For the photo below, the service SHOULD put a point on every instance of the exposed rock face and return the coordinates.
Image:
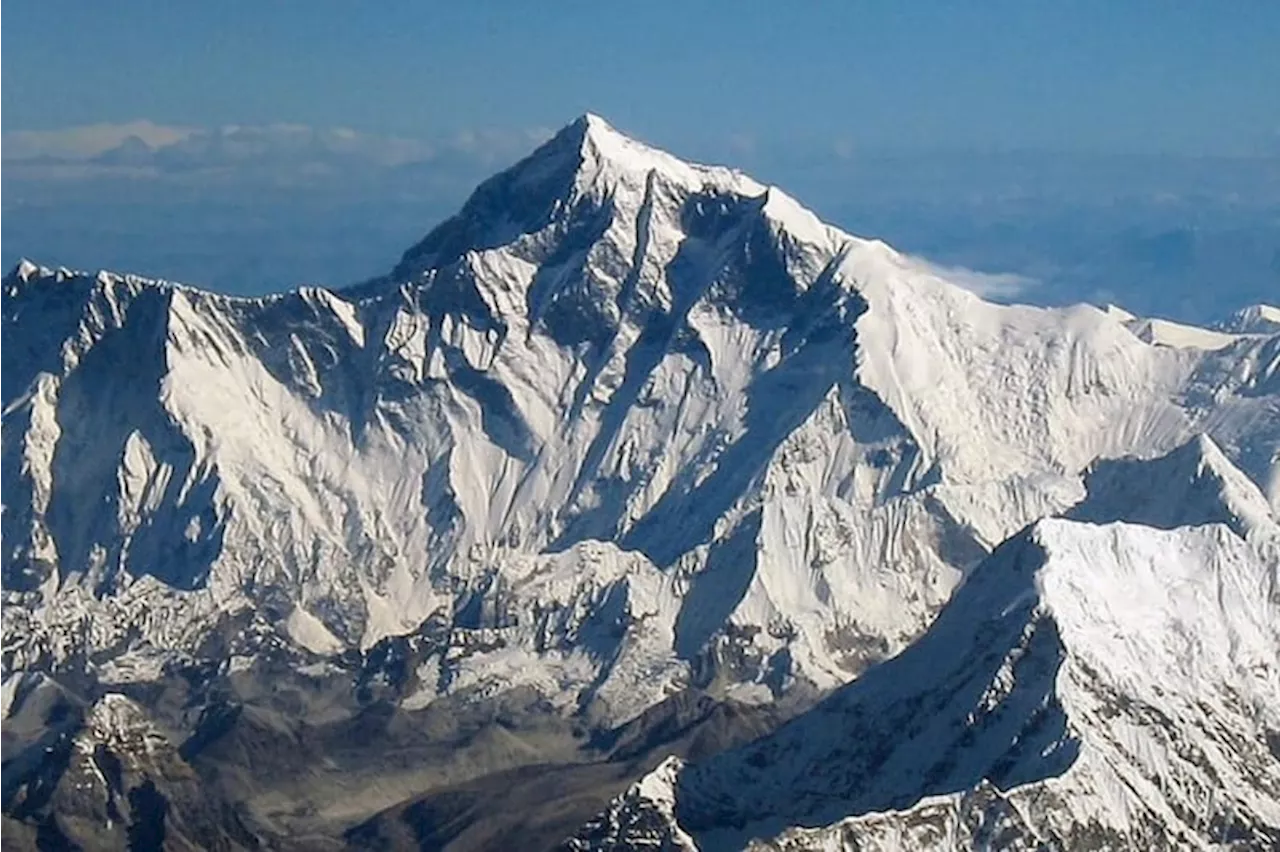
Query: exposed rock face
(113, 780)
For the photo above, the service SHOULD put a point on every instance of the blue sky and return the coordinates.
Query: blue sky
(1075, 149)
(1125, 75)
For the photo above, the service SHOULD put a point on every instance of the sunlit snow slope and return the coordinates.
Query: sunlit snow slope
(622, 425)
(1089, 687)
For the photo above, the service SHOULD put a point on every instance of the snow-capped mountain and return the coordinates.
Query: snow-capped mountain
(1088, 687)
(1255, 319)
(622, 427)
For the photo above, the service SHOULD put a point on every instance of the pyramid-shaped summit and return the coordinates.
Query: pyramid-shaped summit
(1191, 485)
(624, 426)
(568, 182)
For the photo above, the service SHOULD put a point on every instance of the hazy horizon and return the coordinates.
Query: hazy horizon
(1083, 151)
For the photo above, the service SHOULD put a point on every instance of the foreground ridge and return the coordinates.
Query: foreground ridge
(1085, 689)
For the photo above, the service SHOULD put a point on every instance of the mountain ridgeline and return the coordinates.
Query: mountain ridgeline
(630, 499)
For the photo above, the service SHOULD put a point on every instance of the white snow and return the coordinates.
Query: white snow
(1169, 333)
(1138, 665)
(310, 633)
(27, 270)
(1255, 319)
(617, 152)
(682, 401)
(644, 814)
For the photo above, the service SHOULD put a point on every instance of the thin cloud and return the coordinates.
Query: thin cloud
(989, 285)
(843, 149)
(148, 149)
(87, 141)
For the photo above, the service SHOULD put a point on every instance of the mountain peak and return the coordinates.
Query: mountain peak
(1255, 319)
(586, 161)
(25, 269)
(584, 130)
(604, 148)
(1041, 675)
(591, 124)
(1193, 484)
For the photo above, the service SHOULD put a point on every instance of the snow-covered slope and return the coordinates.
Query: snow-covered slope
(1089, 687)
(792, 440)
(1169, 333)
(622, 425)
(1192, 485)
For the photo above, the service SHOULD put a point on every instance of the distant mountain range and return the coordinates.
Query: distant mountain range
(250, 210)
